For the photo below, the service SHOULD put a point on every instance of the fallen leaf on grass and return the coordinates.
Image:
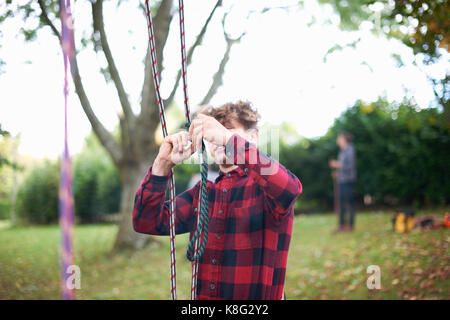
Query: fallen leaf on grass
(438, 290)
(351, 287)
(426, 284)
(418, 271)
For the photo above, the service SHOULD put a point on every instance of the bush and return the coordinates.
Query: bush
(97, 187)
(38, 194)
(5, 209)
(85, 190)
(402, 156)
(109, 190)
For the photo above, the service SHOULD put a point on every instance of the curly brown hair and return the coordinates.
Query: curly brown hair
(241, 112)
(348, 136)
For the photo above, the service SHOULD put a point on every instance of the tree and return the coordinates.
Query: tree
(9, 169)
(5, 174)
(3, 158)
(401, 156)
(135, 148)
(423, 25)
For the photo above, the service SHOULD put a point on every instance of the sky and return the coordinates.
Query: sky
(279, 66)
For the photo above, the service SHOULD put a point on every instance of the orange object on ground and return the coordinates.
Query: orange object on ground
(447, 220)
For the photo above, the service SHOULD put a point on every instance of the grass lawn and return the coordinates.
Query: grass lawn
(321, 265)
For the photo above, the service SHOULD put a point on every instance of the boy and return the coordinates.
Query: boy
(346, 177)
(250, 205)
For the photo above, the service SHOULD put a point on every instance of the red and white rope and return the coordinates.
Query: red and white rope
(188, 121)
(153, 56)
(173, 281)
(183, 61)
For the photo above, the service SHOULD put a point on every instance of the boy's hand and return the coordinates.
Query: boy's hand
(208, 128)
(334, 163)
(174, 150)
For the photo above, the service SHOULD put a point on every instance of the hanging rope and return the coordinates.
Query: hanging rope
(65, 185)
(183, 64)
(203, 216)
(198, 243)
(173, 281)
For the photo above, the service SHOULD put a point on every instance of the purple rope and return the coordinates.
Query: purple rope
(66, 213)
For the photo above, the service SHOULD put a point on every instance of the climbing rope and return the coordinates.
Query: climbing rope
(65, 184)
(197, 243)
(203, 212)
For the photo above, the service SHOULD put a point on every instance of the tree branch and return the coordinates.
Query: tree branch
(218, 76)
(190, 53)
(104, 135)
(266, 9)
(161, 24)
(45, 19)
(97, 14)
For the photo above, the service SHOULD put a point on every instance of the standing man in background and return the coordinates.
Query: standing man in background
(346, 177)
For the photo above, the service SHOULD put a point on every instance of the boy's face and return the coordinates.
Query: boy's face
(341, 141)
(218, 152)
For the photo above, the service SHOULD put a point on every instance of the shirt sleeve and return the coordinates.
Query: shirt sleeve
(151, 211)
(280, 186)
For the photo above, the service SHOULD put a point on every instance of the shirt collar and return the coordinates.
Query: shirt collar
(235, 172)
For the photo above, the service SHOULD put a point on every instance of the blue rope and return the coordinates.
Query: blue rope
(203, 221)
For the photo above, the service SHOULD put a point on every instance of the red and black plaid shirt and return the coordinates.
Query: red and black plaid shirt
(250, 227)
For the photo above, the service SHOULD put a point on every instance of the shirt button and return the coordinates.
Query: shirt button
(212, 286)
(224, 190)
(217, 236)
(228, 175)
(221, 212)
(214, 261)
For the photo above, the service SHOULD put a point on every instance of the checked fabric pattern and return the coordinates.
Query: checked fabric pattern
(251, 218)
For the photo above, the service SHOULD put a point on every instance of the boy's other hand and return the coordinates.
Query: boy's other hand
(208, 128)
(334, 163)
(174, 149)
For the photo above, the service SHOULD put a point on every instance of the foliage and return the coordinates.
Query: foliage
(3, 132)
(402, 155)
(4, 181)
(96, 187)
(3, 159)
(308, 160)
(403, 152)
(422, 25)
(320, 265)
(183, 175)
(5, 208)
(96, 182)
(38, 194)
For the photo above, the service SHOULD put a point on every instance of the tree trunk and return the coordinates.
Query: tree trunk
(135, 150)
(127, 237)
